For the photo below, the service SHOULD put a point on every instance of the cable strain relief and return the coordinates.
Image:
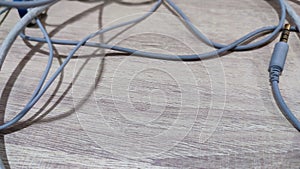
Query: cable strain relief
(275, 72)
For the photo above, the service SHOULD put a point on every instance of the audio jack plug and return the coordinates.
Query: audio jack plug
(279, 55)
(275, 70)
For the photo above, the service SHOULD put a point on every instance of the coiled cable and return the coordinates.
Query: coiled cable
(220, 48)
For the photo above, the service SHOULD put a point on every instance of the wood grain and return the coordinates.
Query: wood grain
(108, 110)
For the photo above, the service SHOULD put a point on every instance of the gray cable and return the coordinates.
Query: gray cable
(251, 46)
(25, 4)
(11, 37)
(157, 55)
(276, 67)
(1, 164)
(39, 86)
(292, 13)
(283, 107)
(40, 90)
(220, 48)
(235, 46)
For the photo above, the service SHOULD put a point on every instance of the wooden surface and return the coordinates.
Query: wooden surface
(108, 110)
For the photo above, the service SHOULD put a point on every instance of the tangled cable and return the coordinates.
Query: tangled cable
(39, 6)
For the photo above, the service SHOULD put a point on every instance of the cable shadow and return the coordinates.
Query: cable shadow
(295, 1)
(16, 73)
(210, 43)
(91, 90)
(98, 76)
(37, 117)
(25, 124)
(134, 3)
(6, 93)
(73, 19)
(12, 80)
(119, 2)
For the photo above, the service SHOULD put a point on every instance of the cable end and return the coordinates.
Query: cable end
(285, 33)
(279, 54)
